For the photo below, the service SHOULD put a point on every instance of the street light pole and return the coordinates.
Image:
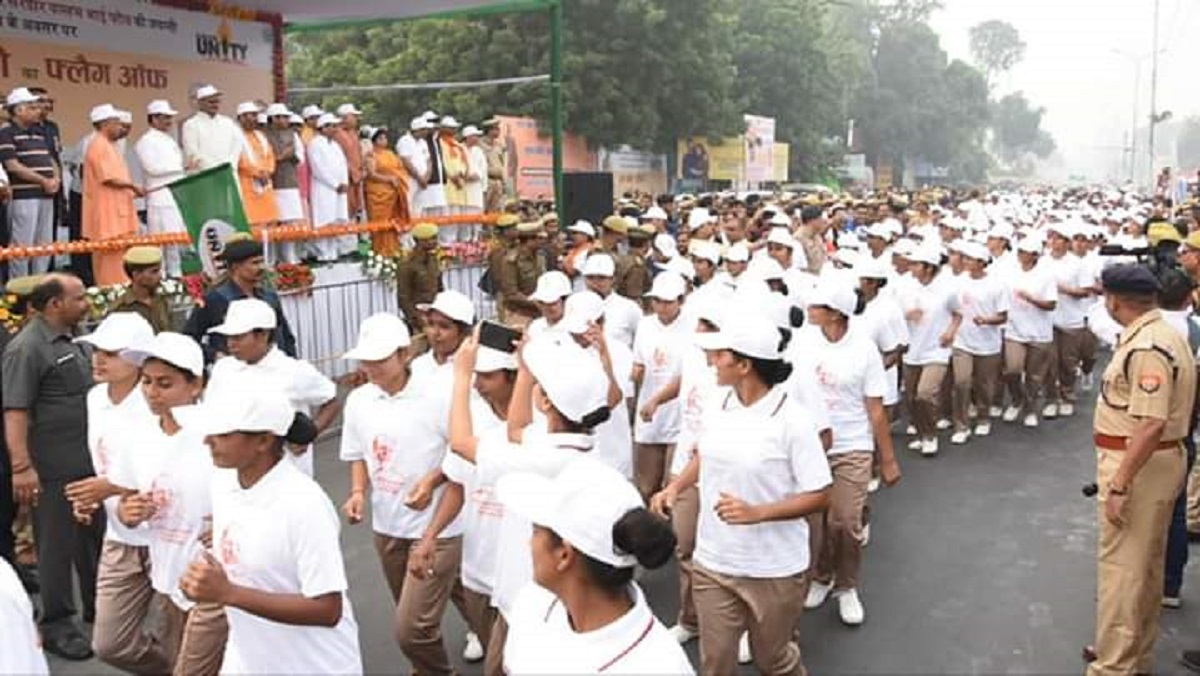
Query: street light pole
(1137, 88)
(1153, 92)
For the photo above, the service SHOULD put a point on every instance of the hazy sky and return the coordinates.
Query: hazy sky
(1070, 67)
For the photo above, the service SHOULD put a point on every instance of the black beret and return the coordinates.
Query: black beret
(810, 213)
(241, 250)
(1130, 279)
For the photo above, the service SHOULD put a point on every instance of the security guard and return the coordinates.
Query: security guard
(1142, 415)
(143, 266)
(613, 229)
(503, 240)
(521, 266)
(633, 276)
(497, 164)
(419, 275)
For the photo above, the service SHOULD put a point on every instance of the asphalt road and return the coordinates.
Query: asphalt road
(980, 561)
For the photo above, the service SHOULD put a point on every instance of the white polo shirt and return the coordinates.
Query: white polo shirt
(658, 349)
(762, 453)
(621, 318)
(541, 640)
(614, 437)
(882, 321)
(281, 536)
(482, 510)
(1026, 322)
(20, 642)
(401, 437)
(846, 372)
(1070, 271)
(697, 382)
(106, 419)
(936, 301)
(983, 297)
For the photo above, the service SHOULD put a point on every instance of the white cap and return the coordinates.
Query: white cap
(737, 253)
(581, 505)
(379, 336)
(326, 120)
(767, 268)
(160, 107)
(955, 224)
(262, 119)
(583, 227)
(453, 304)
(295, 119)
(904, 248)
(1031, 244)
(119, 331)
(927, 253)
(125, 116)
(746, 332)
(976, 250)
(599, 265)
(449, 122)
(430, 117)
(709, 251)
(277, 109)
(668, 287)
(21, 95)
(698, 218)
(250, 405)
(783, 237)
(102, 112)
(665, 245)
(571, 377)
(846, 256)
(471, 130)
(707, 306)
(1065, 229)
(879, 230)
(849, 241)
(872, 268)
(893, 226)
(780, 219)
(419, 123)
(347, 109)
(551, 287)
(1001, 230)
(682, 266)
(489, 359)
(835, 294)
(207, 91)
(174, 348)
(245, 315)
(655, 213)
(247, 107)
(582, 309)
(312, 111)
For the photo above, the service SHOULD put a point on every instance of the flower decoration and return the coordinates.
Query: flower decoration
(293, 277)
(9, 319)
(380, 267)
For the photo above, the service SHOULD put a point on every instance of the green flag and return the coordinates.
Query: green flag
(211, 207)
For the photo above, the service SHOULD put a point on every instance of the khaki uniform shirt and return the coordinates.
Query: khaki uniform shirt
(1152, 375)
(633, 277)
(157, 312)
(519, 273)
(418, 280)
(814, 249)
(496, 160)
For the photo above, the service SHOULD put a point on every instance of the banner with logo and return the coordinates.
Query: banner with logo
(212, 209)
(128, 53)
(635, 171)
(530, 156)
(759, 140)
(700, 158)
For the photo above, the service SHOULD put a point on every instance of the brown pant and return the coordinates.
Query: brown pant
(922, 392)
(650, 467)
(1025, 367)
(1193, 499)
(974, 379)
(201, 646)
(838, 530)
(1130, 563)
(123, 598)
(481, 615)
(684, 516)
(768, 608)
(493, 661)
(421, 603)
(1089, 345)
(1068, 346)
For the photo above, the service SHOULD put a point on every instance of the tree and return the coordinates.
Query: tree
(1016, 127)
(996, 47)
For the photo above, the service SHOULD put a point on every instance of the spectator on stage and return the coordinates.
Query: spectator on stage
(161, 159)
(387, 192)
(289, 156)
(309, 132)
(34, 178)
(209, 138)
(346, 136)
(476, 178)
(246, 272)
(256, 166)
(454, 154)
(330, 183)
(497, 165)
(414, 153)
(143, 265)
(433, 196)
(108, 192)
(135, 167)
(48, 126)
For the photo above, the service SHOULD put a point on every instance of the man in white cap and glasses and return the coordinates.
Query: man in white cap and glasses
(347, 137)
(330, 184)
(414, 154)
(475, 181)
(108, 192)
(34, 177)
(161, 160)
(209, 138)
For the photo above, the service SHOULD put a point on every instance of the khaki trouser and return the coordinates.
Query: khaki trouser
(684, 516)
(837, 532)
(1130, 562)
(493, 660)
(922, 392)
(1193, 499)
(650, 467)
(947, 394)
(481, 615)
(1025, 367)
(974, 379)
(203, 636)
(1089, 345)
(421, 603)
(123, 599)
(1068, 347)
(768, 608)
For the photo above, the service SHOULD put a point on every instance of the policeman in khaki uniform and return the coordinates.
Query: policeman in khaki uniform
(1142, 414)
(419, 275)
(143, 266)
(633, 276)
(503, 239)
(612, 230)
(521, 266)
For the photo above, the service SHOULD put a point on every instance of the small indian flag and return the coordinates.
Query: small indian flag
(211, 207)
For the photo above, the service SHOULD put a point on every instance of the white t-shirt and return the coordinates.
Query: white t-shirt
(846, 372)
(1026, 322)
(762, 454)
(1070, 271)
(658, 349)
(936, 301)
(803, 386)
(177, 472)
(281, 536)
(882, 321)
(540, 326)
(481, 511)
(20, 642)
(621, 319)
(541, 640)
(614, 437)
(401, 437)
(697, 382)
(983, 297)
(104, 420)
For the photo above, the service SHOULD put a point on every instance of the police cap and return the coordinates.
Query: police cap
(1129, 279)
(423, 231)
(143, 256)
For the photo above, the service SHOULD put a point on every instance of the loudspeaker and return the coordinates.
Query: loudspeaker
(587, 195)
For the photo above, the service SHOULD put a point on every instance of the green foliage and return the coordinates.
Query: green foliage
(1017, 129)
(996, 47)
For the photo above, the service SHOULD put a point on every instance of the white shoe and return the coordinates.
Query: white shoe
(995, 412)
(850, 608)
(873, 484)
(744, 656)
(1031, 420)
(972, 412)
(944, 424)
(983, 429)
(1050, 411)
(473, 651)
(866, 531)
(960, 437)
(914, 445)
(682, 634)
(1171, 602)
(1087, 381)
(910, 430)
(1011, 413)
(817, 593)
(929, 446)
(1066, 410)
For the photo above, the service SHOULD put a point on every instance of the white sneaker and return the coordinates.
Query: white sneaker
(1050, 411)
(1087, 381)
(929, 446)
(972, 412)
(744, 656)
(866, 531)
(995, 412)
(983, 429)
(682, 634)
(960, 437)
(914, 445)
(850, 608)
(817, 593)
(944, 424)
(910, 430)
(473, 651)
(1011, 413)
(1066, 410)
(1031, 420)
(873, 484)
(1171, 602)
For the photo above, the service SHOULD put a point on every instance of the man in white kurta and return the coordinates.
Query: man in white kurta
(414, 153)
(209, 138)
(330, 181)
(161, 160)
(476, 176)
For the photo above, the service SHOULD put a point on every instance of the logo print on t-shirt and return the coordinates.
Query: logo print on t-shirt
(228, 547)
